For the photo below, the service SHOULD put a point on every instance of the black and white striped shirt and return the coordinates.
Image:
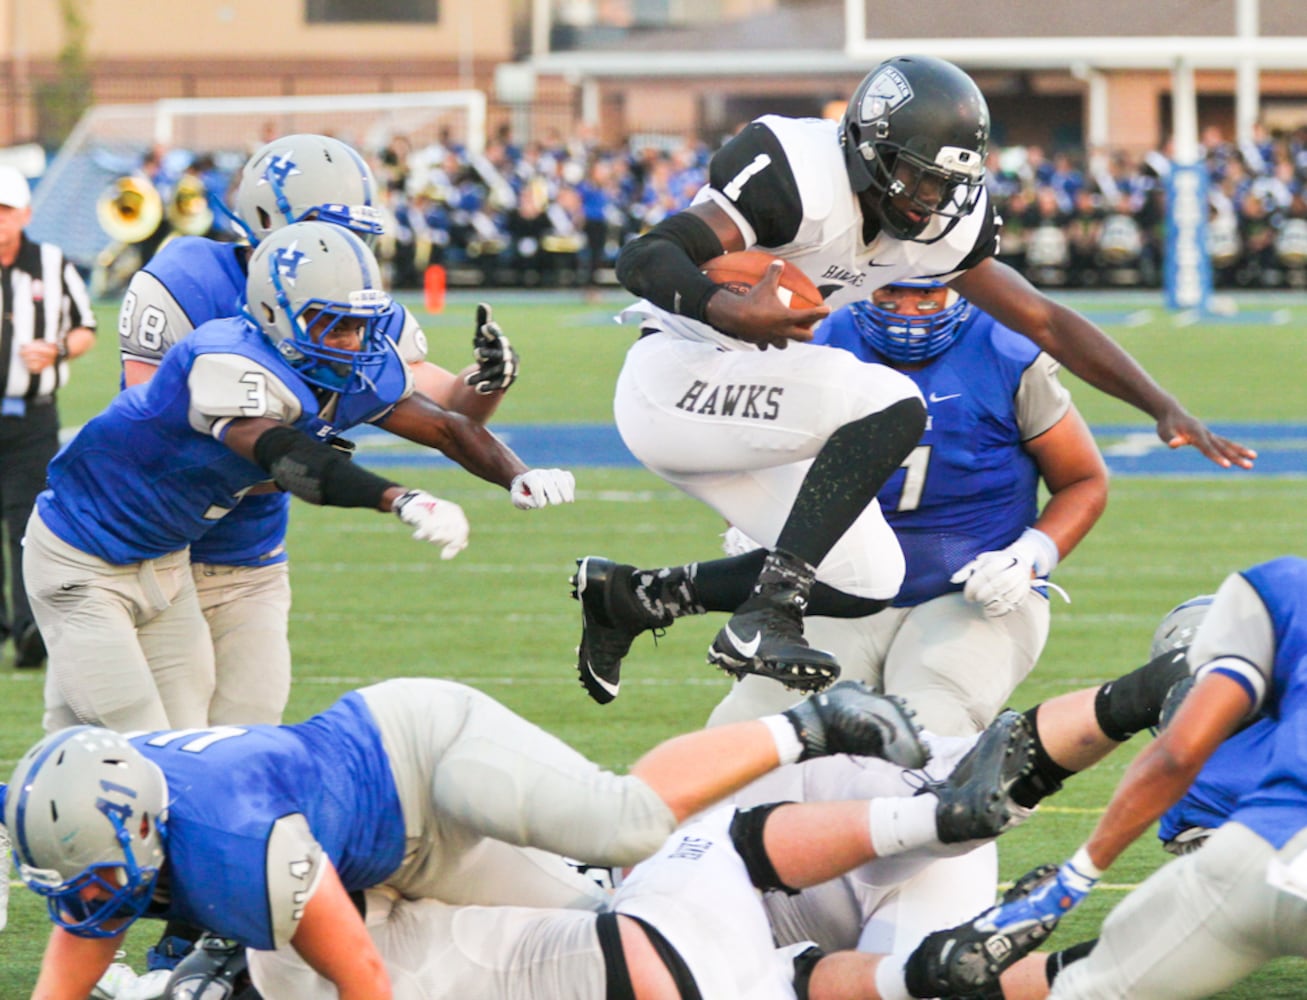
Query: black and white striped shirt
(42, 297)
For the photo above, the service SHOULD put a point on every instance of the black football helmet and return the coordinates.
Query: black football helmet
(915, 136)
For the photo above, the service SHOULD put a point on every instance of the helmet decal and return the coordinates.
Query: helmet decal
(287, 261)
(887, 91)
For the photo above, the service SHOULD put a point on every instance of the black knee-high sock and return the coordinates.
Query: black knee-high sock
(847, 473)
(724, 584)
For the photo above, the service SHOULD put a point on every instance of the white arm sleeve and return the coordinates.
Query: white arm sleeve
(1041, 400)
(227, 386)
(295, 865)
(150, 320)
(412, 342)
(1236, 638)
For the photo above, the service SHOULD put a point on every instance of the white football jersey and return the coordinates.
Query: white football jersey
(784, 183)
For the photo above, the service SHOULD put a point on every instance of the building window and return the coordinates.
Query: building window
(364, 11)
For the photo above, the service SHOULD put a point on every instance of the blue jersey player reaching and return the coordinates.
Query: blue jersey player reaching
(240, 402)
(259, 833)
(240, 565)
(1215, 915)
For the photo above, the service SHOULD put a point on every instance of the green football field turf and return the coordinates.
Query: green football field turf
(371, 603)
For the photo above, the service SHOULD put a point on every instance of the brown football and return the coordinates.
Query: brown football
(743, 269)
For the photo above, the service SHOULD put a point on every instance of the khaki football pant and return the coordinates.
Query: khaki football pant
(1196, 926)
(128, 646)
(491, 801)
(248, 610)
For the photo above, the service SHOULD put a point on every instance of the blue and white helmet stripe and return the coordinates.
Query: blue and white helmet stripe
(911, 339)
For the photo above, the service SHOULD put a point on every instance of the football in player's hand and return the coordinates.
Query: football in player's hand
(743, 269)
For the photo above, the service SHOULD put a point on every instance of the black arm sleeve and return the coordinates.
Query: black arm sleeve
(663, 265)
(316, 472)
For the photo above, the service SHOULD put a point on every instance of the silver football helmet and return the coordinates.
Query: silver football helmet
(87, 814)
(1179, 625)
(303, 177)
(305, 281)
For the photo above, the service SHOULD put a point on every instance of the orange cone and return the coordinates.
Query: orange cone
(433, 285)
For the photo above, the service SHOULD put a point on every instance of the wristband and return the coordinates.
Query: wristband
(1040, 549)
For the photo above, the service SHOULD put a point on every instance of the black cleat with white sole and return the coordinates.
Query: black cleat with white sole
(611, 618)
(765, 637)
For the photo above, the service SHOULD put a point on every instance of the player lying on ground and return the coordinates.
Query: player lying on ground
(259, 833)
(697, 905)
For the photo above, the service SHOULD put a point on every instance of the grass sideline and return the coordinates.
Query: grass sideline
(371, 603)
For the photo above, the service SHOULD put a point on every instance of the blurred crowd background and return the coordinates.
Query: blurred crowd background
(554, 212)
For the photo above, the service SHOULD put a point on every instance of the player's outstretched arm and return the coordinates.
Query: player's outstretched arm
(478, 389)
(462, 440)
(478, 450)
(320, 474)
(1091, 354)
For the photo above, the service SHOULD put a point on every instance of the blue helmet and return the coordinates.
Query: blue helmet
(911, 339)
(87, 812)
(320, 268)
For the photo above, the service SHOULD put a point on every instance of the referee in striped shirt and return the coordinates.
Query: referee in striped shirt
(45, 320)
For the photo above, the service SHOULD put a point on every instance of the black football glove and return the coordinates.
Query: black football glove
(496, 360)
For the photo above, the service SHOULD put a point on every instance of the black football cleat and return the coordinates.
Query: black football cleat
(765, 637)
(611, 618)
(852, 718)
(967, 960)
(973, 799)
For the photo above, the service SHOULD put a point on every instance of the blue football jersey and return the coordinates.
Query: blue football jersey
(207, 279)
(968, 487)
(1276, 808)
(1230, 772)
(141, 479)
(230, 788)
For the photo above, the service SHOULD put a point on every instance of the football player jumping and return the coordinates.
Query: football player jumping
(793, 446)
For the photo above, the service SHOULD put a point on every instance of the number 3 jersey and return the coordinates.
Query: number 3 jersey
(253, 810)
(969, 486)
(150, 474)
(189, 282)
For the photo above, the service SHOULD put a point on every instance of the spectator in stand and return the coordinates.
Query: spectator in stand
(1084, 229)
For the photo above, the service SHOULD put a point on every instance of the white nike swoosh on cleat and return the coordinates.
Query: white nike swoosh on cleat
(746, 649)
(610, 688)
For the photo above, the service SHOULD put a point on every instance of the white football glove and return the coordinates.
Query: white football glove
(1000, 580)
(496, 360)
(437, 521)
(537, 488)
